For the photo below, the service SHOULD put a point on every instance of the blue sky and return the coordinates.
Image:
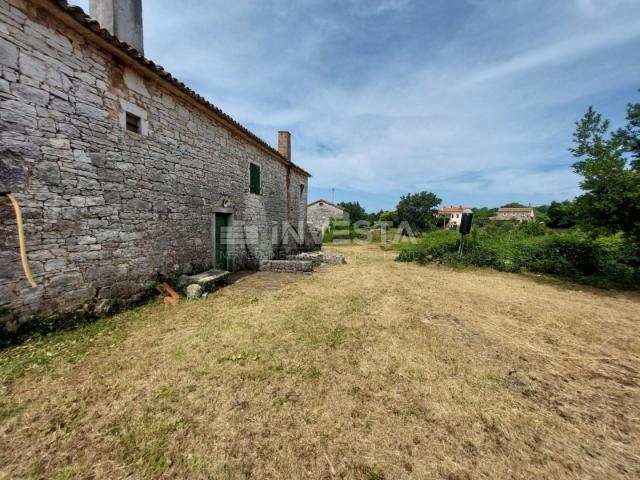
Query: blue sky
(472, 99)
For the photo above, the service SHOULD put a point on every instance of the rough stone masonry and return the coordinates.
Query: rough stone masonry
(121, 170)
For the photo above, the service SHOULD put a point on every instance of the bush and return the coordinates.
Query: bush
(604, 262)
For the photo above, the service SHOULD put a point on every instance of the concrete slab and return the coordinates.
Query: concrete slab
(204, 279)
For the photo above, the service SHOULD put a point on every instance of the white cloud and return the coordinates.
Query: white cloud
(392, 5)
(563, 51)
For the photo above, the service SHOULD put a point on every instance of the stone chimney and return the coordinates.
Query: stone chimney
(284, 144)
(123, 18)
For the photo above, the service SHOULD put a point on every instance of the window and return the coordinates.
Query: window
(133, 123)
(254, 178)
(301, 191)
(133, 118)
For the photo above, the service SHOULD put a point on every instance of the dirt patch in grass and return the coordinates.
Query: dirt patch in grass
(370, 370)
(261, 283)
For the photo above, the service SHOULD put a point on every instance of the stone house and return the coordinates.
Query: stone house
(320, 213)
(124, 174)
(524, 214)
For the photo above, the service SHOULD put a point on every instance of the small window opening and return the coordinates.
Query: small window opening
(133, 123)
(254, 178)
(301, 191)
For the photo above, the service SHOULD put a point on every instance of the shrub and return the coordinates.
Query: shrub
(604, 262)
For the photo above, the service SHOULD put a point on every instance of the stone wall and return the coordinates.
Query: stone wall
(107, 210)
(320, 214)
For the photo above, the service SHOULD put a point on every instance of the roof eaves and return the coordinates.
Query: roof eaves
(327, 202)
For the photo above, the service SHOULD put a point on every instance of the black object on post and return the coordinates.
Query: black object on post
(465, 229)
(465, 223)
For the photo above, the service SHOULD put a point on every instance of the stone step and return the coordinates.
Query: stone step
(204, 279)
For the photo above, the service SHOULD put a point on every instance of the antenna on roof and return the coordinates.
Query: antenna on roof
(333, 194)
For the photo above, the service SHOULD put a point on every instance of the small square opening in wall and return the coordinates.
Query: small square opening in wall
(133, 123)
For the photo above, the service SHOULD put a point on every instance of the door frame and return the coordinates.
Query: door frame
(227, 212)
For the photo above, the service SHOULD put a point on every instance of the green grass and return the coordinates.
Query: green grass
(143, 441)
(375, 473)
(44, 352)
(8, 409)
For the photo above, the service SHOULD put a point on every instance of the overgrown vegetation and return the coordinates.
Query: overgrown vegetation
(41, 352)
(345, 231)
(596, 238)
(608, 261)
(38, 327)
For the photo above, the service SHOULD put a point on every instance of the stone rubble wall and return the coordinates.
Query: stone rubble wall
(107, 211)
(289, 266)
(318, 258)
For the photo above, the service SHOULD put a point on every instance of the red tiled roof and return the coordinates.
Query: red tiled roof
(460, 209)
(83, 19)
(514, 209)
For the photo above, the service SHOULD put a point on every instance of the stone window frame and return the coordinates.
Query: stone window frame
(302, 189)
(133, 109)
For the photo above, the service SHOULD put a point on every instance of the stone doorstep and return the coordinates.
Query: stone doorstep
(203, 279)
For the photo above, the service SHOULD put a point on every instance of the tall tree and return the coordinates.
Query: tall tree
(630, 135)
(355, 210)
(418, 209)
(561, 214)
(611, 184)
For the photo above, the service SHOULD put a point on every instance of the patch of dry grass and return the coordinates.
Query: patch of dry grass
(370, 370)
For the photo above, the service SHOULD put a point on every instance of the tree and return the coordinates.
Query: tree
(355, 210)
(611, 184)
(630, 135)
(389, 216)
(418, 209)
(561, 214)
(541, 213)
(482, 215)
(373, 217)
(513, 205)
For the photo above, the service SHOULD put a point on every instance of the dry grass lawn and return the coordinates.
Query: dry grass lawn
(371, 370)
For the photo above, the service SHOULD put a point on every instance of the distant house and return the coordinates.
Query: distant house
(320, 213)
(454, 214)
(525, 214)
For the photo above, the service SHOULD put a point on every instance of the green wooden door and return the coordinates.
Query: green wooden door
(221, 241)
